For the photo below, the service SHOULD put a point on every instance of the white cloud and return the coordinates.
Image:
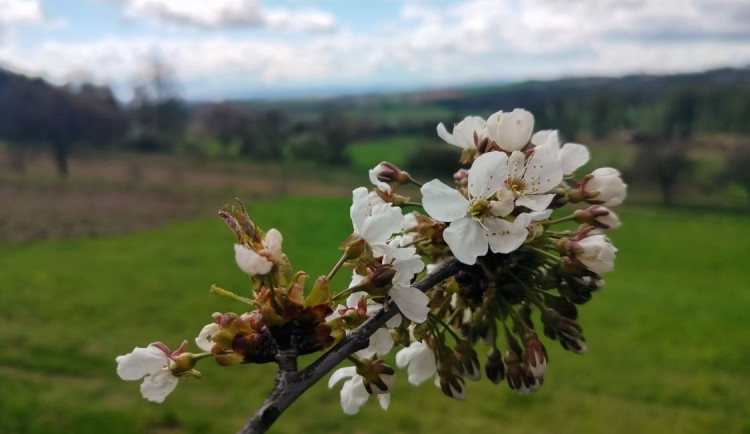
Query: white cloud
(472, 40)
(227, 13)
(21, 12)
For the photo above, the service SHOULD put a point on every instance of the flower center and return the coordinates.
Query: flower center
(516, 186)
(479, 208)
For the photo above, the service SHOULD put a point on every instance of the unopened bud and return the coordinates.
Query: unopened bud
(535, 355)
(517, 377)
(461, 177)
(382, 276)
(598, 216)
(468, 359)
(494, 368)
(566, 330)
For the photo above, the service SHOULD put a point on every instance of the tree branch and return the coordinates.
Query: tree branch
(290, 383)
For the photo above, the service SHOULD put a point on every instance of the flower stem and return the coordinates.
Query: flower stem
(336, 267)
(562, 219)
(415, 182)
(413, 204)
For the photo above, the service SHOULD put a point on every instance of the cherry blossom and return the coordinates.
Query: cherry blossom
(152, 365)
(475, 223)
(261, 262)
(463, 132)
(353, 392)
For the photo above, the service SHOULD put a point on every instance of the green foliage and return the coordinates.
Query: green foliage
(668, 336)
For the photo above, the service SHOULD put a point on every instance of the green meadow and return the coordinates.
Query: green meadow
(668, 336)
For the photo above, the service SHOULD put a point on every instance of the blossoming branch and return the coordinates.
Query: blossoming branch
(479, 261)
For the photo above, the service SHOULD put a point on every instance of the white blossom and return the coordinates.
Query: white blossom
(419, 359)
(596, 253)
(607, 185)
(152, 365)
(571, 155)
(475, 223)
(530, 178)
(463, 132)
(261, 262)
(511, 131)
(353, 392)
(373, 219)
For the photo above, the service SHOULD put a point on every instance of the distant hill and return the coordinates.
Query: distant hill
(632, 101)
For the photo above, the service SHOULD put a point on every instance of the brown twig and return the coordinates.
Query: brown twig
(291, 383)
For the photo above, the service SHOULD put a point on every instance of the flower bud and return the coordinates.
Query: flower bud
(461, 177)
(604, 186)
(510, 131)
(535, 355)
(598, 216)
(596, 253)
(518, 378)
(565, 330)
(494, 368)
(468, 359)
(451, 382)
(383, 276)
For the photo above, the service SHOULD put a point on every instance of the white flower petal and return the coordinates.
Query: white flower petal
(340, 374)
(572, 157)
(487, 174)
(543, 171)
(381, 343)
(382, 186)
(443, 203)
(205, 337)
(466, 239)
(141, 362)
(445, 135)
(420, 361)
(411, 302)
(353, 299)
(157, 386)
(406, 269)
(464, 131)
(272, 244)
(353, 395)
(395, 321)
(504, 236)
(382, 223)
(516, 165)
(535, 202)
(251, 262)
(546, 138)
(384, 399)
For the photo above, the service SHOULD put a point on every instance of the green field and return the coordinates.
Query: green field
(668, 337)
(366, 154)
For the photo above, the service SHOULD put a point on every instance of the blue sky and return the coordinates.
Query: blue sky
(266, 48)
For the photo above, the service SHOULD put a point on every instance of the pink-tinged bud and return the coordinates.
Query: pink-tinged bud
(461, 177)
(535, 355)
(598, 216)
(595, 252)
(494, 368)
(604, 186)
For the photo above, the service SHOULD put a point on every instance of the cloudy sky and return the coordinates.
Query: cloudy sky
(246, 48)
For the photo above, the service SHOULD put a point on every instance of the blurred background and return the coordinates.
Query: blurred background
(126, 124)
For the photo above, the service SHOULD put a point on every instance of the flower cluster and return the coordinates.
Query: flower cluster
(525, 264)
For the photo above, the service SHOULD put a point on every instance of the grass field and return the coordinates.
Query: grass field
(669, 336)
